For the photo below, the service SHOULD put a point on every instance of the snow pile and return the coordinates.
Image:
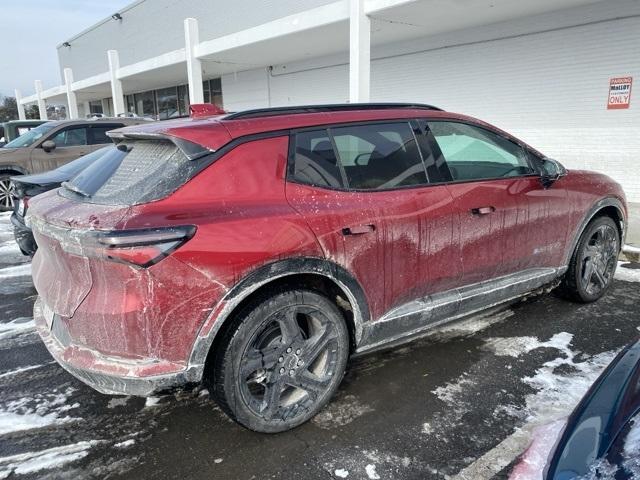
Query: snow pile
(371, 472)
(626, 273)
(42, 410)
(30, 462)
(341, 412)
(125, 444)
(516, 346)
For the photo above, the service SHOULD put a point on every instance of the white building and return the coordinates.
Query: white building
(538, 69)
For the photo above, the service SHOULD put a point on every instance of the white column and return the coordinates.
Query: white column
(116, 83)
(87, 108)
(42, 106)
(194, 65)
(21, 114)
(359, 52)
(72, 101)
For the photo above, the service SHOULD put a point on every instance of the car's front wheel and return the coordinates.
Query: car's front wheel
(282, 360)
(594, 262)
(7, 192)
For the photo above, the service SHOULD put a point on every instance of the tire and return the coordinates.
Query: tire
(593, 263)
(6, 192)
(281, 361)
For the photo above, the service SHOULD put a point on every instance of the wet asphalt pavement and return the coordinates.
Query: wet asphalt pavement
(461, 403)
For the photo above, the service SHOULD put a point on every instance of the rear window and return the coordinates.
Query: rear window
(137, 171)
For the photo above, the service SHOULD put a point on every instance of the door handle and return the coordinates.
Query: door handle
(483, 210)
(358, 229)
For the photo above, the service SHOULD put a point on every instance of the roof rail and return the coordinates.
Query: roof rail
(336, 107)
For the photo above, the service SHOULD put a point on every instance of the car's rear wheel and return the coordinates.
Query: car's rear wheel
(7, 192)
(281, 362)
(594, 262)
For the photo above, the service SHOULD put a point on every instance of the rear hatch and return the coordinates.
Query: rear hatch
(80, 226)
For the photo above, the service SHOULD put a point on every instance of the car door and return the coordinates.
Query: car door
(71, 142)
(364, 192)
(497, 192)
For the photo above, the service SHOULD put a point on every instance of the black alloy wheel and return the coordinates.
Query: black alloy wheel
(283, 362)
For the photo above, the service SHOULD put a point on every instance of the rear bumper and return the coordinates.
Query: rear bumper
(23, 235)
(110, 375)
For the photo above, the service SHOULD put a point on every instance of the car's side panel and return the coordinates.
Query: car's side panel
(243, 221)
(409, 250)
(492, 221)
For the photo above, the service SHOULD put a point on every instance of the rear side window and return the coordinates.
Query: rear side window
(98, 134)
(315, 161)
(379, 156)
(361, 157)
(474, 153)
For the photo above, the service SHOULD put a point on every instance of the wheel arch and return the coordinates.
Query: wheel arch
(611, 207)
(315, 273)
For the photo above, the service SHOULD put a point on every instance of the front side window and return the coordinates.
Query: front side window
(474, 153)
(379, 156)
(31, 137)
(71, 137)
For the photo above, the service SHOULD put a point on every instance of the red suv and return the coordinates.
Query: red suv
(256, 251)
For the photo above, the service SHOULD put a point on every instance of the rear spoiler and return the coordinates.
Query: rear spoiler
(191, 150)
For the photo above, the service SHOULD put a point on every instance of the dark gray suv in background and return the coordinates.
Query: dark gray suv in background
(50, 146)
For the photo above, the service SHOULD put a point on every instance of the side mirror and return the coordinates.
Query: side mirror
(552, 171)
(48, 145)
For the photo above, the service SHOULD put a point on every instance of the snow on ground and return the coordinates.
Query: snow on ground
(23, 270)
(341, 412)
(516, 346)
(16, 326)
(557, 393)
(626, 273)
(473, 324)
(20, 370)
(40, 410)
(31, 462)
(362, 463)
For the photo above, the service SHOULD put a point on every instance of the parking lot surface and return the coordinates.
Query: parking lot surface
(459, 404)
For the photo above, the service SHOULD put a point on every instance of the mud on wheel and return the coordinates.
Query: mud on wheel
(282, 361)
(594, 262)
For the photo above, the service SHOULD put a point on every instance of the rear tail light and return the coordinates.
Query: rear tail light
(140, 248)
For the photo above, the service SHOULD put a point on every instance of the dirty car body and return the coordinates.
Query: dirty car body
(370, 224)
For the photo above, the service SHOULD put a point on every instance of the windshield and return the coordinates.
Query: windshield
(30, 137)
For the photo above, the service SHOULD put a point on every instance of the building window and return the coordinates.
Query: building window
(95, 106)
(131, 103)
(167, 103)
(146, 104)
(213, 91)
